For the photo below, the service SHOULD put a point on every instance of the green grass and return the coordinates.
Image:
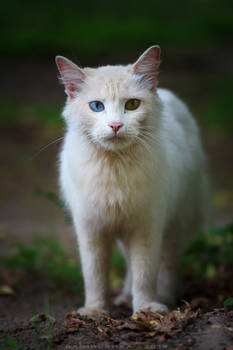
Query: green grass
(43, 324)
(48, 259)
(9, 343)
(210, 255)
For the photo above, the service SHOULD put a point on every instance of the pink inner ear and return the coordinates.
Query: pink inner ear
(147, 66)
(70, 88)
(72, 75)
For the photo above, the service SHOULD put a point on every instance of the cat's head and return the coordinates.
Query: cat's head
(111, 105)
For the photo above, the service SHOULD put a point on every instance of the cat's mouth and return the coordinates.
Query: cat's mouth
(115, 142)
(115, 138)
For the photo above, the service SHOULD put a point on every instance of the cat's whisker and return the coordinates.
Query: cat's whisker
(151, 139)
(46, 146)
(146, 145)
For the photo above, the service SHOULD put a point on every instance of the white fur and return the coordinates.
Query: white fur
(146, 189)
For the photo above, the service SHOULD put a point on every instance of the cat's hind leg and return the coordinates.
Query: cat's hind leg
(174, 243)
(166, 283)
(125, 296)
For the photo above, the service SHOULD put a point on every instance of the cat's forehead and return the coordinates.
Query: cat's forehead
(118, 72)
(111, 81)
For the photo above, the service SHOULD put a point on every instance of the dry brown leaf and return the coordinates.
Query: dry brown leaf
(57, 340)
(77, 321)
(6, 290)
(71, 330)
(165, 326)
(214, 326)
(128, 325)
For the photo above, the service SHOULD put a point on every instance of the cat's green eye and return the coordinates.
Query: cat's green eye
(132, 104)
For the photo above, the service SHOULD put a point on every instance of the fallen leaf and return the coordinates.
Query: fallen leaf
(57, 340)
(128, 325)
(6, 290)
(214, 326)
(147, 318)
(71, 330)
(99, 329)
(165, 326)
(76, 321)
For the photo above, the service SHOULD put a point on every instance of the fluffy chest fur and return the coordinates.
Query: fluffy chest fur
(111, 182)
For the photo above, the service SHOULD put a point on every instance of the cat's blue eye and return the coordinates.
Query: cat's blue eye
(96, 106)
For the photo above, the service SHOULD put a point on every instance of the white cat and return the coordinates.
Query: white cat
(132, 170)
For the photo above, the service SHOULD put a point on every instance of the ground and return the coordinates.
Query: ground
(37, 319)
(40, 284)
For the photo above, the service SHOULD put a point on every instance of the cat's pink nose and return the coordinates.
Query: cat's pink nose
(115, 126)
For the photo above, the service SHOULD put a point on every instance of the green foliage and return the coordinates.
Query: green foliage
(9, 343)
(210, 254)
(118, 269)
(46, 331)
(118, 262)
(48, 258)
(229, 302)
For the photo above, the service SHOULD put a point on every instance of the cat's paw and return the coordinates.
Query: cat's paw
(92, 312)
(123, 299)
(154, 307)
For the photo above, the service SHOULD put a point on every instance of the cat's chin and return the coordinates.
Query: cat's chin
(115, 143)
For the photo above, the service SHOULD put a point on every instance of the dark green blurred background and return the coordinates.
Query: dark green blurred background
(197, 61)
(102, 26)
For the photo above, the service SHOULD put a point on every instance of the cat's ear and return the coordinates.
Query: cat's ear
(72, 76)
(147, 66)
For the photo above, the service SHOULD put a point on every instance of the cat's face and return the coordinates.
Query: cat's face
(111, 105)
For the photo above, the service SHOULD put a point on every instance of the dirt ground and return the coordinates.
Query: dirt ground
(26, 319)
(202, 324)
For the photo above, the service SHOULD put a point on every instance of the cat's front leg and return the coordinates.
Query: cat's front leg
(95, 253)
(145, 249)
